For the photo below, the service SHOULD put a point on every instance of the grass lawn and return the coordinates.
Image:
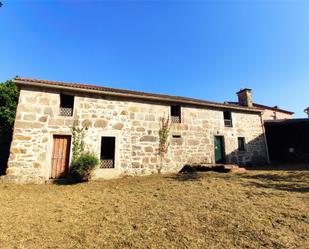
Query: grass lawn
(259, 209)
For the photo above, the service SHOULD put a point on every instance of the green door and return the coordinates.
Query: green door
(219, 152)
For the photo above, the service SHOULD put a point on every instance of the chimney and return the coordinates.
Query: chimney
(245, 97)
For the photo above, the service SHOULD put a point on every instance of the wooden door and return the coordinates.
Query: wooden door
(219, 149)
(60, 156)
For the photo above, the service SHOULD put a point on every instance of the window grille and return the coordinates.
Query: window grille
(175, 119)
(228, 122)
(65, 111)
(106, 163)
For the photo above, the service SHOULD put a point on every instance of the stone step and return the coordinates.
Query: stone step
(238, 170)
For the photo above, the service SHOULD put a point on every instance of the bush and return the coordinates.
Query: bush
(82, 167)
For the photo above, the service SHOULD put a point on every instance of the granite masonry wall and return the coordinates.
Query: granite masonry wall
(273, 115)
(135, 125)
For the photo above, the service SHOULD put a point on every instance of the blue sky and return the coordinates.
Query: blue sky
(206, 50)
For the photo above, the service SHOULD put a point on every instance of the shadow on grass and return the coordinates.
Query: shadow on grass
(194, 173)
(286, 181)
(182, 177)
(65, 181)
(282, 167)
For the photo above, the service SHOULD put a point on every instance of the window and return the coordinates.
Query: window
(241, 144)
(175, 114)
(227, 118)
(107, 158)
(66, 105)
(176, 136)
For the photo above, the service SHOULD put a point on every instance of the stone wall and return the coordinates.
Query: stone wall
(272, 115)
(135, 125)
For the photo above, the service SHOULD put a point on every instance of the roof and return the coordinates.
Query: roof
(263, 107)
(287, 121)
(126, 93)
(274, 108)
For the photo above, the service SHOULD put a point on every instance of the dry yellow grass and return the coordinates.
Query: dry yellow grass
(259, 209)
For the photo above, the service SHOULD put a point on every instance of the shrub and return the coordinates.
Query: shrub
(83, 166)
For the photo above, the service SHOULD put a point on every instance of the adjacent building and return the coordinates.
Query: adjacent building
(307, 111)
(269, 112)
(287, 140)
(122, 128)
(274, 113)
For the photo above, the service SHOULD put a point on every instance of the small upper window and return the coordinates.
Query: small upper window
(227, 118)
(66, 105)
(241, 144)
(176, 114)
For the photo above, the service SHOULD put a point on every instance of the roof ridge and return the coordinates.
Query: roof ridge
(132, 93)
(264, 106)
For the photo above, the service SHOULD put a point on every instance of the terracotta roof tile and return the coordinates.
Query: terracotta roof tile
(129, 93)
(263, 107)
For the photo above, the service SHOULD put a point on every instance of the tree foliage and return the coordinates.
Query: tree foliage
(165, 126)
(83, 162)
(163, 135)
(78, 140)
(8, 102)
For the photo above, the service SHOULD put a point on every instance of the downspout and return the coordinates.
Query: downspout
(265, 139)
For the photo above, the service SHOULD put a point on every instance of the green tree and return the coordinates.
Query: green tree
(9, 93)
(8, 101)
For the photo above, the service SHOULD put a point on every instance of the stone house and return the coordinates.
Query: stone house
(122, 128)
(269, 112)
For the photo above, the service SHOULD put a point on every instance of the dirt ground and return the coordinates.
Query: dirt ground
(258, 209)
